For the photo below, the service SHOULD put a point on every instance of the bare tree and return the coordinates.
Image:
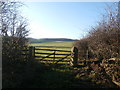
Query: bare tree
(12, 23)
(103, 40)
(13, 27)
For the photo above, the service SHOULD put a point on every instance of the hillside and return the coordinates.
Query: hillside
(33, 40)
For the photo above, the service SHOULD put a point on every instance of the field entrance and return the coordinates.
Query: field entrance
(53, 54)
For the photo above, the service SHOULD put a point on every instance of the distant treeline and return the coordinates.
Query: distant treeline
(33, 40)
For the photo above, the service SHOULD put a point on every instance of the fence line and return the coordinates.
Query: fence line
(54, 55)
(32, 53)
(34, 50)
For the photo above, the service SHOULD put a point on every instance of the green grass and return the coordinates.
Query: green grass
(54, 43)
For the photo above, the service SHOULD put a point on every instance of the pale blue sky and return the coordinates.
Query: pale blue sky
(62, 19)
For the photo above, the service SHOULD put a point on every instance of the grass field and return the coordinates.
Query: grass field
(56, 45)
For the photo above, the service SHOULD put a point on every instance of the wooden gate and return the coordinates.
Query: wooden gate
(51, 54)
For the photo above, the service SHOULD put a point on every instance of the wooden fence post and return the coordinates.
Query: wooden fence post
(74, 55)
(31, 53)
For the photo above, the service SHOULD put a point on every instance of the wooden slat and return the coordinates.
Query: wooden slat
(54, 57)
(62, 50)
(42, 53)
(48, 57)
(44, 49)
(53, 46)
(52, 50)
(49, 53)
(62, 54)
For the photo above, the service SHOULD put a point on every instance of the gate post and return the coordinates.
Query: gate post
(74, 55)
(31, 53)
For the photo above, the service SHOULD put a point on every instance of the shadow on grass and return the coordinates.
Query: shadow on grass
(37, 75)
